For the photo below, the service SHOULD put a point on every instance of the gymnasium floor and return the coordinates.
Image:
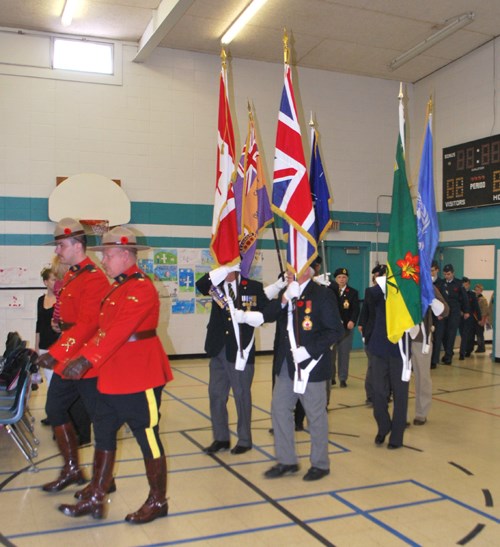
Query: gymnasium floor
(442, 488)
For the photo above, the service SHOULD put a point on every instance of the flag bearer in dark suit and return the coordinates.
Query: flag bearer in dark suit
(236, 311)
(348, 301)
(84, 286)
(308, 322)
(132, 371)
(386, 368)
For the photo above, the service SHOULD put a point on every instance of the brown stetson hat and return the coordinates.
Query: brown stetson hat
(65, 228)
(119, 237)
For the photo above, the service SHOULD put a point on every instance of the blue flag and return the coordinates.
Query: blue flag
(427, 222)
(319, 190)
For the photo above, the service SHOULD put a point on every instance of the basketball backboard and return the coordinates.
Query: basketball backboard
(89, 196)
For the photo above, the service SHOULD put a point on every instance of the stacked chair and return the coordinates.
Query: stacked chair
(16, 367)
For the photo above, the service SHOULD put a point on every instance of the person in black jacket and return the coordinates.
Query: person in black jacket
(467, 327)
(348, 302)
(457, 300)
(236, 311)
(308, 322)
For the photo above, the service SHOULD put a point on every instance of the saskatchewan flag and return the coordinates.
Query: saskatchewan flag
(403, 304)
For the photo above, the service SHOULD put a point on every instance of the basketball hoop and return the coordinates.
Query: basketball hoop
(97, 227)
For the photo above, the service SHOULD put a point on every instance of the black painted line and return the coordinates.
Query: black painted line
(472, 534)
(466, 471)
(488, 499)
(267, 498)
(6, 542)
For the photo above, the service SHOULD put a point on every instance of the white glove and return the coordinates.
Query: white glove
(322, 279)
(273, 290)
(219, 274)
(253, 318)
(239, 316)
(300, 354)
(437, 307)
(292, 291)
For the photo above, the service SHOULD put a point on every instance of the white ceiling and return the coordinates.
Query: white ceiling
(353, 36)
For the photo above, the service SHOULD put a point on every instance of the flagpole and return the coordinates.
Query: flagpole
(322, 242)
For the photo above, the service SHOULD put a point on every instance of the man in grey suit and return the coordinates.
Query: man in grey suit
(236, 311)
(308, 323)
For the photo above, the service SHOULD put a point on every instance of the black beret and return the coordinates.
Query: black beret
(465, 279)
(341, 271)
(380, 269)
(448, 268)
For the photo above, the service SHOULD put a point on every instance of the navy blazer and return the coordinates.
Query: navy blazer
(317, 327)
(220, 330)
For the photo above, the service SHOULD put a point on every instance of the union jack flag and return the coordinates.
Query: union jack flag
(291, 191)
(253, 210)
(224, 243)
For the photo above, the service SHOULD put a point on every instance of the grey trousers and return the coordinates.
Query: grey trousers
(224, 377)
(343, 349)
(423, 383)
(314, 403)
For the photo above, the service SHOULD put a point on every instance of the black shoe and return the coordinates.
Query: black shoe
(467, 354)
(315, 473)
(417, 421)
(391, 446)
(216, 446)
(461, 358)
(480, 350)
(446, 361)
(45, 421)
(299, 427)
(280, 470)
(379, 439)
(238, 449)
(342, 384)
(271, 431)
(433, 365)
(334, 383)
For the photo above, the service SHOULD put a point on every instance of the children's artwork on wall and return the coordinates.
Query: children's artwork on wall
(178, 270)
(17, 275)
(11, 300)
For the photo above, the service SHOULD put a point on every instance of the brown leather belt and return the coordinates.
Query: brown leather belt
(142, 335)
(65, 326)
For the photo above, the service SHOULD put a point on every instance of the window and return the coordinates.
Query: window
(82, 56)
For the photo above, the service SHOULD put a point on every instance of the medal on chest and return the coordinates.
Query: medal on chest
(307, 324)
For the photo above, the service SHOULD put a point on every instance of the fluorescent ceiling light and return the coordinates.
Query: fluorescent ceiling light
(68, 12)
(456, 24)
(242, 20)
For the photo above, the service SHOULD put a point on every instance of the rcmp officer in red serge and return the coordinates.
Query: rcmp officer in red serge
(236, 311)
(84, 286)
(132, 371)
(308, 321)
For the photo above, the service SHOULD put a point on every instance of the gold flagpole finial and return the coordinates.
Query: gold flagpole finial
(250, 113)
(430, 105)
(286, 50)
(400, 96)
(311, 120)
(223, 57)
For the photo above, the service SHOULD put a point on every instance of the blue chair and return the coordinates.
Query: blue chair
(15, 418)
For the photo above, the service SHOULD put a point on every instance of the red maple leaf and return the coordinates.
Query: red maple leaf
(410, 268)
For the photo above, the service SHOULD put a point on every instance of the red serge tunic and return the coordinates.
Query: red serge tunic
(84, 286)
(126, 353)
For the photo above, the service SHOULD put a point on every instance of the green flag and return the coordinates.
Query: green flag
(403, 305)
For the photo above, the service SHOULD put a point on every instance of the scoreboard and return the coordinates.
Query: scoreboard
(471, 174)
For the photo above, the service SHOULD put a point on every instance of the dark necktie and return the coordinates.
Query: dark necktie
(231, 292)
